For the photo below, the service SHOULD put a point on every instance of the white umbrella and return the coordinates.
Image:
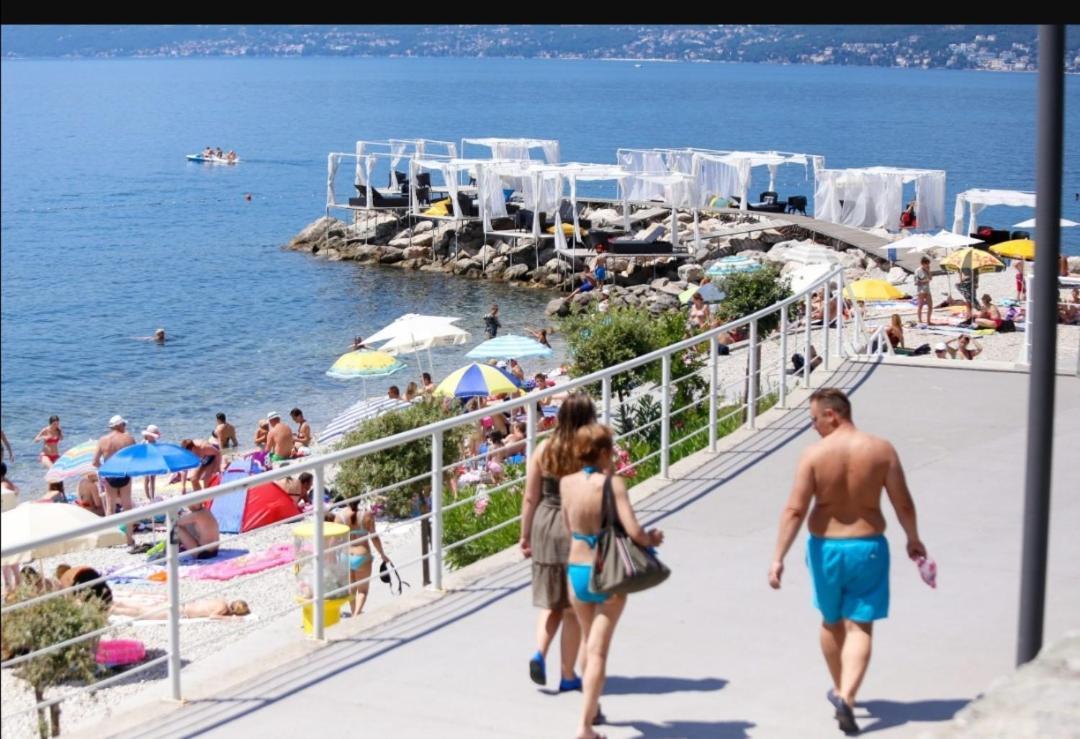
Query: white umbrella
(413, 332)
(919, 242)
(33, 520)
(1030, 223)
(803, 276)
(809, 252)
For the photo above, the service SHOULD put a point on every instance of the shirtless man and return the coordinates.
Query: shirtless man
(847, 552)
(303, 429)
(208, 467)
(279, 440)
(88, 494)
(115, 488)
(197, 529)
(225, 433)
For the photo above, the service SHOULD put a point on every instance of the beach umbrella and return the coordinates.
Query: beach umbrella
(34, 520)
(709, 292)
(477, 381)
(75, 462)
(972, 259)
(732, 265)
(808, 273)
(139, 460)
(356, 414)
(364, 363)
(872, 290)
(1030, 223)
(809, 252)
(413, 332)
(509, 346)
(1016, 249)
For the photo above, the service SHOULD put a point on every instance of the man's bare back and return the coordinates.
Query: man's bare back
(280, 440)
(111, 443)
(848, 469)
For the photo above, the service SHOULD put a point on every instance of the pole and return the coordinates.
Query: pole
(806, 350)
(1040, 437)
(714, 366)
(436, 506)
(605, 394)
(826, 309)
(665, 415)
(318, 589)
(783, 356)
(752, 394)
(173, 578)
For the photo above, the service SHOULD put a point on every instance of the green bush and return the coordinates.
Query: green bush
(749, 292)
(44, 624)
(472, 518)
(401, 462)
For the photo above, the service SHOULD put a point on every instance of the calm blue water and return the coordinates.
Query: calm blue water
(107, 232)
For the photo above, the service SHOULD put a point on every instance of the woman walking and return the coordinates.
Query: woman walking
(362, 537)
(50, 438)
(544, 538)
(598, 614)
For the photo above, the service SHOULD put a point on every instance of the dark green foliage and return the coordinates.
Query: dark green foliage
(749, 292)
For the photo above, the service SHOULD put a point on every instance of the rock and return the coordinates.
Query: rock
(659, 283)
(367, 252)
(390, 255)
(412, 263)
(316, 231)
(1074, 265)
(417, 252)
(496, 266)
(582, 299)
(422, 227)
(464, 266)
(691, 272)
(557, 307)
(778, 253)
(553, 280)
(672, 288)
(516, 272)
(896, 275)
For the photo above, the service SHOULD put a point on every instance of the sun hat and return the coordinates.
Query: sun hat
(116, 420)
(152, 431)
(940, 347)
(272, 415)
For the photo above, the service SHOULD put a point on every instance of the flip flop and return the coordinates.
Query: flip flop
(833, 698)
(845, 719)
(573, 683)
(599, 718)
(536, 669)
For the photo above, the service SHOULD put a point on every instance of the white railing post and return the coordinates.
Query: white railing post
(783, 357)
(436, 505)
(806, 349)
(172, 564)
(605, 396)
(665, 414)
(1028, 319)
(751, 392)
(714, 370)
(319, 570)
(840, 315)
(530, 432)
(825, 327)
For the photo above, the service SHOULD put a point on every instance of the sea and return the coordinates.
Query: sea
(107, 232)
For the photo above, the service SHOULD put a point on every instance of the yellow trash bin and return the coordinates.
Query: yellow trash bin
(335, 571)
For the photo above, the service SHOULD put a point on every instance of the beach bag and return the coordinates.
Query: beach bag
(622, 566)
(920, 350)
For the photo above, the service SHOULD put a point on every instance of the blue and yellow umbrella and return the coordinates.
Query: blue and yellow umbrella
(364, 363)
(477, 381)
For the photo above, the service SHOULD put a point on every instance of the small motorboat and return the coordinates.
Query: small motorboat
(211, 160)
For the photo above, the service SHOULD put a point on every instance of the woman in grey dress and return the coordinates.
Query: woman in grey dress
(544, 538)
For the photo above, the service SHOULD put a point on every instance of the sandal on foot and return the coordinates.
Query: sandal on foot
(834, 698)
(599, 718)
(845, 719)
(536, 669)
(573, 683)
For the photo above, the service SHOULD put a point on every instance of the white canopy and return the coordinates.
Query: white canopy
(979, 199)
(872, 197)
(516, 148)
(412, 332)
(539, 185)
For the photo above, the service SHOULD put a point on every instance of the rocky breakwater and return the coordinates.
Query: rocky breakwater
(651, 282)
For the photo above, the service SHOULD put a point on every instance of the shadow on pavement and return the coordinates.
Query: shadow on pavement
(654, 684)
(690, 729)
(887, 714)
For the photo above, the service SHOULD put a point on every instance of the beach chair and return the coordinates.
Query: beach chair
(646, 242)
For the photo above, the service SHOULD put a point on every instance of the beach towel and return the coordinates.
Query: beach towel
(958, 330)
(275, 556)
(154, 621)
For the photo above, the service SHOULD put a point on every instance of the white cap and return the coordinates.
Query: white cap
(152, 431)
(116, 421)
(501, 364)
(272, 415)
(940, 347)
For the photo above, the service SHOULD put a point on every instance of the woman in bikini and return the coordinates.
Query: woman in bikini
(699, 313)
(544, 538)
(988, 315)
(50, 438)
(582, 502)
(895, 332)
(362, 537)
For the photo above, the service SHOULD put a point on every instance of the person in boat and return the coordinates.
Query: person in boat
(231, 156)
(208, 151)
(219, 153)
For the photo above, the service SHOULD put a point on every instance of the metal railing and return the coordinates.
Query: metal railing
(789, 332)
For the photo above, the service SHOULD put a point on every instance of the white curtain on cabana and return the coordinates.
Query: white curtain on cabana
(588, 172)
(448, 169)
(721, 176)
(517, 148)
(930, 200)
(645, 161)
(979, 199)
(398, 150)
(870, 199)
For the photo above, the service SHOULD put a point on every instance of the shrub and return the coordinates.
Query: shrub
(44, 624)
(486, 511)
(401, 462)
(749, 292)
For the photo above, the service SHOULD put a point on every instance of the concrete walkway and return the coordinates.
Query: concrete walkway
(714, 652)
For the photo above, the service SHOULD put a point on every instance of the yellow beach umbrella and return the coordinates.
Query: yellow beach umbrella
(1015, 249)
(976, 260)
(872, 290)
(477, 381)
(364, 363)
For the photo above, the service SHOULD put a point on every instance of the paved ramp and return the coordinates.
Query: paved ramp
(714, 652)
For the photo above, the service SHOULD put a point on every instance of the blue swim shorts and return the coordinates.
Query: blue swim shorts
(850, 577)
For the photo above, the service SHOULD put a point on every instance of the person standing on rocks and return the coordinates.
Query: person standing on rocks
(491, 322)
(847, 552)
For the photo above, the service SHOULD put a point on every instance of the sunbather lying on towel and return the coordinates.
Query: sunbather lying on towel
(147, 609)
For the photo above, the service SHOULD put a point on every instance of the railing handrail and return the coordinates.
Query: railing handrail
(377, 445)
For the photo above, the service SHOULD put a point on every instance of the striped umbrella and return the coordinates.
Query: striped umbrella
(477, 381)
(972, 259)
(509, 346)
(731, 265)
(709, 292)
(75, 462)
(356, 414)
(364, 363)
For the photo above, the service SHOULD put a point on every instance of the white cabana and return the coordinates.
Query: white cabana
(872, 197)
(575, 172)
(672, 190)
(537, 184)
(452, 172)
(647, 161)
(515, 148)
(978, 199)
(386, 157)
